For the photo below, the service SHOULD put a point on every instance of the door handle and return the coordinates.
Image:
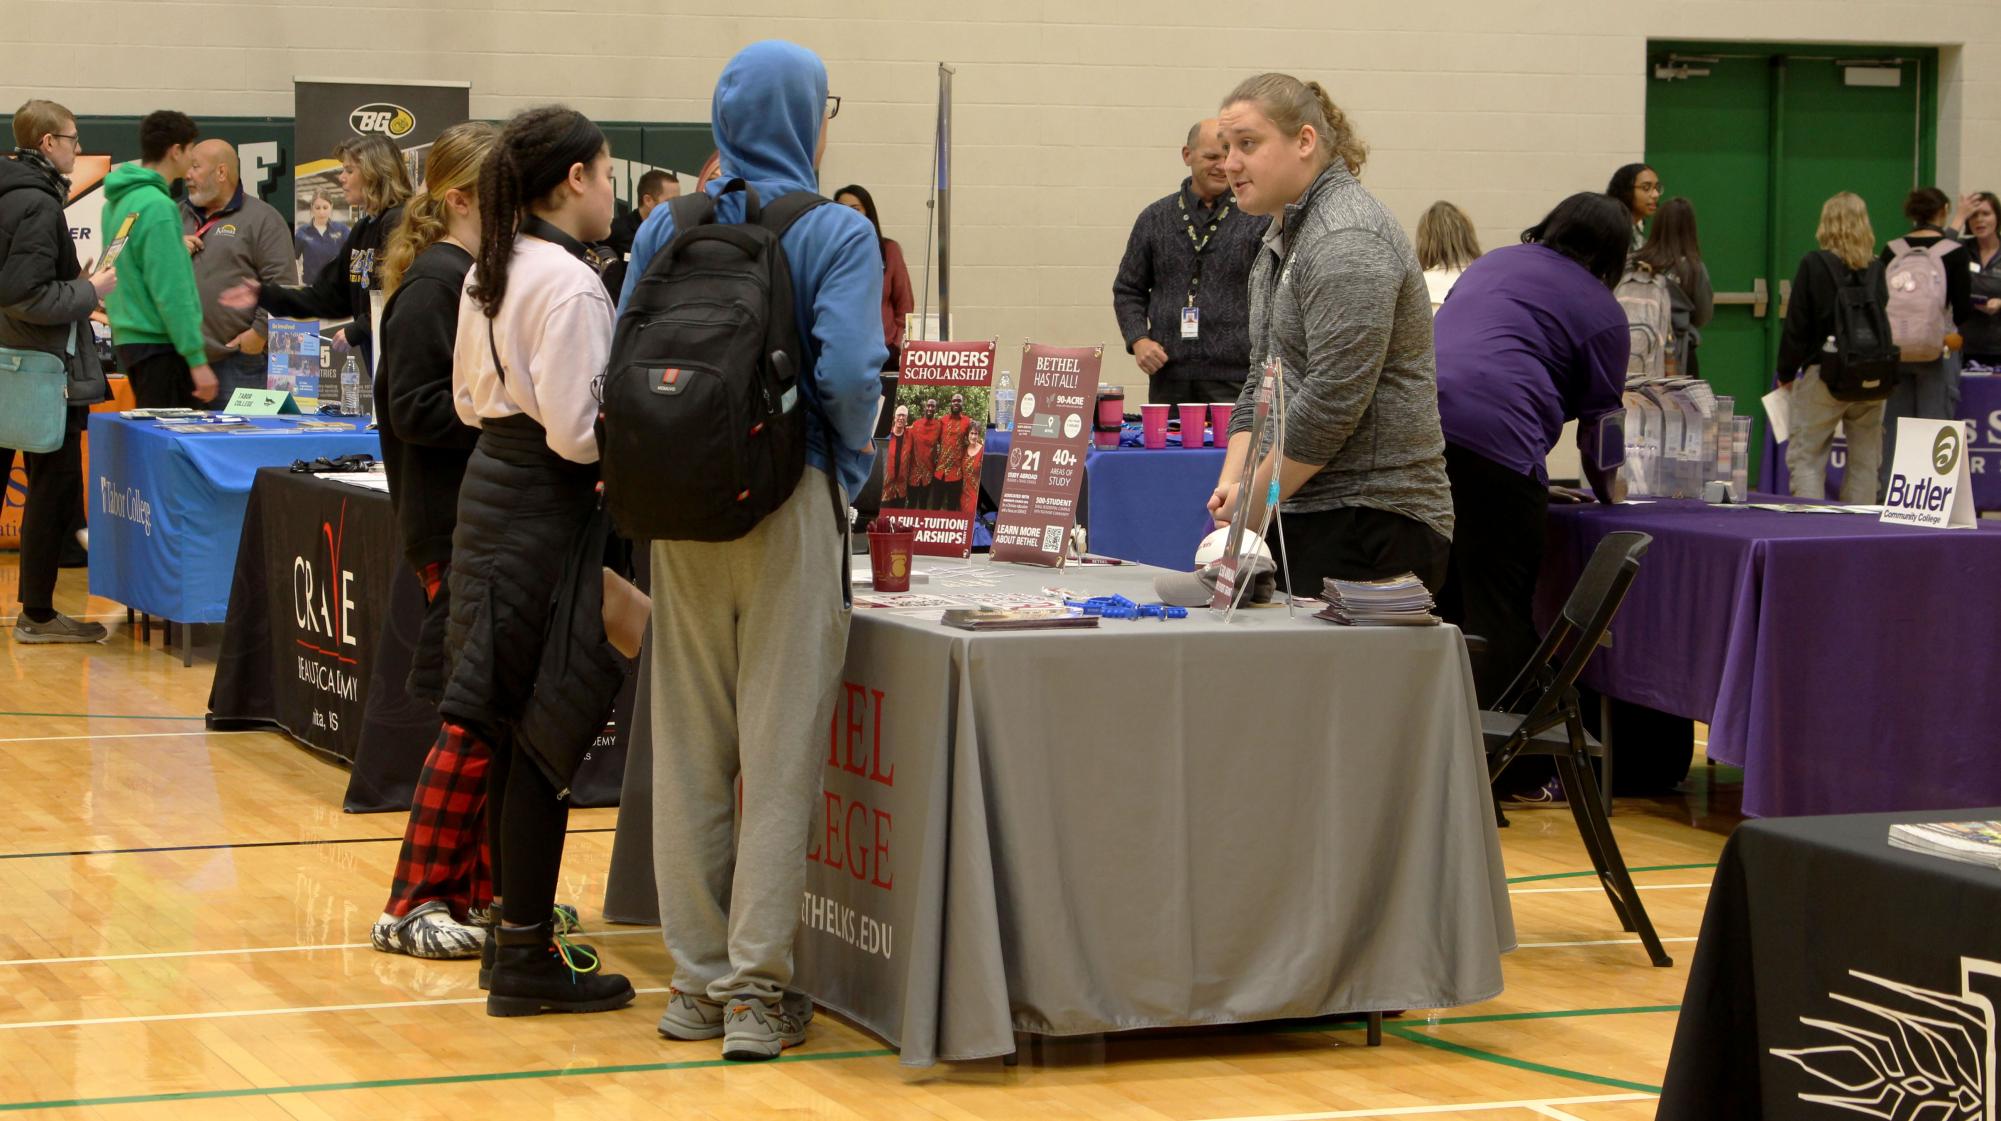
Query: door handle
(1757, 299)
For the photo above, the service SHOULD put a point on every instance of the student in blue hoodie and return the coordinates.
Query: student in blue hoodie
(750, 635)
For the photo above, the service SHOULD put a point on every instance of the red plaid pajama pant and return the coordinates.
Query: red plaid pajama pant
(445, 853)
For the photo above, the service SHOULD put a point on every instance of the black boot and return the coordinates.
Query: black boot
(487, 949)
(530, 976)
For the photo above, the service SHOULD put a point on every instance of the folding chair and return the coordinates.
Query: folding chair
(1538, 715)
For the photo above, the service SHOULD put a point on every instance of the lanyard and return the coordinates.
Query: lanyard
(1200, 241)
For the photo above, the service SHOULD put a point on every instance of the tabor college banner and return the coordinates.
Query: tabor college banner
(327, 113)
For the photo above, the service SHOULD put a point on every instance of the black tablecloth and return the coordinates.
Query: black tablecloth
(323, 618)
(1835, 969)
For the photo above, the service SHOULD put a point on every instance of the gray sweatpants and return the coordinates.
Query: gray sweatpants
(749, 639)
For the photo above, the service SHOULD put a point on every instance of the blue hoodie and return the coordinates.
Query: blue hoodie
(769, 107)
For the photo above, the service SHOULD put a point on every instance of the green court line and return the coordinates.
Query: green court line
(1507, 1017)
(98, 716)
(1409, 1032)
(1573, 875)
(1411, 1035)
(432, 1080)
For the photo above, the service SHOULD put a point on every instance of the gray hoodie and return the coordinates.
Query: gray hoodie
(1337, 295)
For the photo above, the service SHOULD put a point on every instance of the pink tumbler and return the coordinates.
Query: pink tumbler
(1219, 419)
(1193, 418)
(1153, 425)
(1111, 415)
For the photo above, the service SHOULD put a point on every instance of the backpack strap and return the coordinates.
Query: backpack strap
(1941, 248)
(779, 215)
(1899, 247)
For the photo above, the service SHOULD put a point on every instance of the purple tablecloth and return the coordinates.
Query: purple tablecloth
(1979, 402)
(1847, 666)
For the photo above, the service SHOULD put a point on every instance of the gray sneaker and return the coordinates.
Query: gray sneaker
(62, 628)
(754, 1031)
(690, 1017)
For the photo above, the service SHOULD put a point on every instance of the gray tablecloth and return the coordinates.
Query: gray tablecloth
(1293, 822)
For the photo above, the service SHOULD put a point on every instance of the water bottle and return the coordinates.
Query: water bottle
(366, 394)
(350, 386)
(1004, 403)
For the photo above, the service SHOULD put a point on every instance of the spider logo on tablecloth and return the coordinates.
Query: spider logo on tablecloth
(1909, 1054)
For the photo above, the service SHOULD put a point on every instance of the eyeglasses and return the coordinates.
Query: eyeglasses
(73, 138)
(833, 106)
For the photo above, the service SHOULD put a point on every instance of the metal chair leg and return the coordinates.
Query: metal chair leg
(1375, 1029)
(1618, 883)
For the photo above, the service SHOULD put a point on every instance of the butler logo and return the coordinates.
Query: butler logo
(1945, 450)
(323, 608)
(382, 119)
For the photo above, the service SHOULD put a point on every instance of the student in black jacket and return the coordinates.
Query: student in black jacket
(45, 305)
(441, 900)
(1847, 241)
(1928, 389)
(372, 173)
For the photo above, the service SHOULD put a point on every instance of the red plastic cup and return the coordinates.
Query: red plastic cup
(1219, 419)
(1153, 425)
(1193, 419)
(889, 554)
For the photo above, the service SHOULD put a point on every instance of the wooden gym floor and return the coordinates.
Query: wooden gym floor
(185, 934)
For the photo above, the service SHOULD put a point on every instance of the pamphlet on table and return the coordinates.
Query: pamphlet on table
(937, 444)
(292, 358)
(1045, 462)
(1969, 842)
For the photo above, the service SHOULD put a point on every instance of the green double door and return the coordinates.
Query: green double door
(1757, 137)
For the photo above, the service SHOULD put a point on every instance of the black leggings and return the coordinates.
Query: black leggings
(526, 825)
(55, 493)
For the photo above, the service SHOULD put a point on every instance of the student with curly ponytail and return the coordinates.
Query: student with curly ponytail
(1336, 294)
(534, 329)
(440, 902)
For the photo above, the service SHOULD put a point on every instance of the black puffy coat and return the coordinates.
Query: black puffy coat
(44, 303)
(528, 659)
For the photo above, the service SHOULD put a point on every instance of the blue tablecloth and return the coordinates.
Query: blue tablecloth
(1149, 506)
(1846, 665)
(1979, 402)
(166, 508)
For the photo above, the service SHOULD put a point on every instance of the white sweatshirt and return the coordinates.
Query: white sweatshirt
(553, 333)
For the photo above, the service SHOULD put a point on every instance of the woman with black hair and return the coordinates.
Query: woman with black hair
(896, 298)
(373, 174)
(1532, 338)
(1636, 187)
(1927, 388)
(534, 332)
(1982, 216)
(1674, 253)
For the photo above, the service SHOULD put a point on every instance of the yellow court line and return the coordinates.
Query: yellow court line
(1421, 1110)
(229, 952)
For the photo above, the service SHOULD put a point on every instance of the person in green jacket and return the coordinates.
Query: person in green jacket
(155, 313)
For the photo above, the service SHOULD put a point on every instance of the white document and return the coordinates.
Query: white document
(1779, 413)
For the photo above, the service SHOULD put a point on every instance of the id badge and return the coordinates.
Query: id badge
(1191, 323)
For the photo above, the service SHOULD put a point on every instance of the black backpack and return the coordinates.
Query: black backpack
(1863, 364)
(701, 423)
